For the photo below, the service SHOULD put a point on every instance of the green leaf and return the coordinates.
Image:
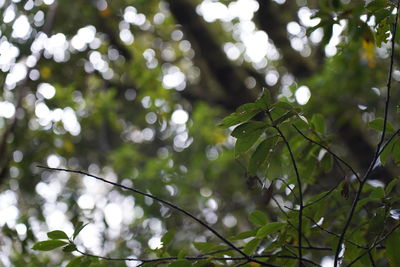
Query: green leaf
(48, 245)
(365, 201)
(302, 122)
(392, 248)
(181, 254)
(265, 100)
(243, 144)
(318, 123)
(180, 263)
(328, 31)
(284, 117)
(377, 124)
(376, 5)
(245, 235)
(78, 229)
(57, 234)
(206, 247)
(376, 223)
(75, 262)
(283, 105)
(391, 185)
(269, 229)
(201, 245)
(247, 128)
(69, 248)
(86, 262)
(386, 153)
(396, 152)
(261, 154)
(382, 14)
(242, 114)
(167, 237)
(203, 263)
(378, 192)
(250, 247)
(258, 218)
(327, 162)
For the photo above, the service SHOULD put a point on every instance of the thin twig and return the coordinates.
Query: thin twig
(300, 215)
(323, 196)
(226, 241)
(218, 251)
(388, 141)
(280, 207)
(305, 238)
(312, 247)
(334, 234)
(371, 259)
(378, 148)
(288, 186)
(374, 245)
(195, 258)
(330, 152)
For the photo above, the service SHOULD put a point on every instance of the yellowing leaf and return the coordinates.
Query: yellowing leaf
(368, 51)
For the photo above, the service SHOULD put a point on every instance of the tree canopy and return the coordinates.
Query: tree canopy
(199, 132)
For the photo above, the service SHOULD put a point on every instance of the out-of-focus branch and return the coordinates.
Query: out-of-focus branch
(229, 78)
(273, 18)
(104, 23)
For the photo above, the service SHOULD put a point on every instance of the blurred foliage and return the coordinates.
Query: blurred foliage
(124, 90)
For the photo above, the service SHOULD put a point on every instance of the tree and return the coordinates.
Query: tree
(183, 132)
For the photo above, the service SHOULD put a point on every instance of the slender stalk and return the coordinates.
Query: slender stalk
(374, 245)
(195, 258)
(378, 148)
(388, 141)
(334, 234)
(299, 184)
(329, 151)
(371, 259)
(175, 207)
(323, 196)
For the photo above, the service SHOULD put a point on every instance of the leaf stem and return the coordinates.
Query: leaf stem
(330, 152)
(195, 258)
(299, 184)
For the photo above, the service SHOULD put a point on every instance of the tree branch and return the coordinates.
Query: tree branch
(378, 148)
(299, 184)
(195, 258)
(173, 206)
(330, 152)
(374, 245)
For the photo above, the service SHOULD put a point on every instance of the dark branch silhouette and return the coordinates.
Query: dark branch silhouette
(175, 207)
(378, 148)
